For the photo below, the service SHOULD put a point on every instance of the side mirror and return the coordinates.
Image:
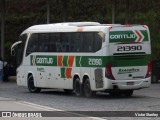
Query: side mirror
(13, 47)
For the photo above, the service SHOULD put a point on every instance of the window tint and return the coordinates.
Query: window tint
(65, 47)
(20, 49)
(77, 42)
(54, 42)
(43, 42)
(88, 42)
(98, 38)
(65, 42)
(33, 44)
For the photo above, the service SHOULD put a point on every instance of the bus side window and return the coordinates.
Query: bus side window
(52, 47)
(35, 48)
(32, 44)
(65, 42)
(78, 39)
(55, 42)
(88, 42)
(72, 43)
(46, 48)
(98, 39)
(58, 43)
(58, 47)
(43, 41)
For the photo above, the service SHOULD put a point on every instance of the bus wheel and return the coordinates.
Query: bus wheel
(77, 87)
(87, 89)
(31, 86)
(128, 93)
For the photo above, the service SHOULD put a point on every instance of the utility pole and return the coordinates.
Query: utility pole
(2, 27)
(48, 11)
(127, 12)
(113, 11)
(64, 10)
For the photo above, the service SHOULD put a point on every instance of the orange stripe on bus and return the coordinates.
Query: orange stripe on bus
(80, 29)
(70, 61)
(68, 73)
(139, 35)
(60, 60)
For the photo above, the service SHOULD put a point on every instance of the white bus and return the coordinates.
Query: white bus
(84, 57)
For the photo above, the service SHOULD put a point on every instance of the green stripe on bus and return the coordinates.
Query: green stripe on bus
(122, 36)
(78, 58)
(63, 72)
(130, 61)
(145, 33)
(93, 61)
(43, 60)
(128, 36)
(65, 60)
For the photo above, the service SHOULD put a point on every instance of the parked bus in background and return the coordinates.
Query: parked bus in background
(84, 57)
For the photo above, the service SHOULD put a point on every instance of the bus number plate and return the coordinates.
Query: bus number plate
(129, 48)
(130, 83)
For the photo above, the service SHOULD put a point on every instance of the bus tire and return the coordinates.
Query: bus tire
(87, 89)
(78, 87)
(128, 93)
(31, 87)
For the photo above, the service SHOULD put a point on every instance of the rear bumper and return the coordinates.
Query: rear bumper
(129, 84)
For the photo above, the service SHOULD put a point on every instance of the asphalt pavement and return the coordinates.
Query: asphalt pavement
(13, 109)
(56, 104)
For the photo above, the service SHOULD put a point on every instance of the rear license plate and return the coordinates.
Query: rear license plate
(130, 83)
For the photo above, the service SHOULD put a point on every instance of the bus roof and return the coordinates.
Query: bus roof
(63, 26)
(72, 26)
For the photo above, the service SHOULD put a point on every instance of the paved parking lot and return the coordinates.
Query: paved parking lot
(13, 97)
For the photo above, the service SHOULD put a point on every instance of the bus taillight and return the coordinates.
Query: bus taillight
(108, 72)
(149, 70)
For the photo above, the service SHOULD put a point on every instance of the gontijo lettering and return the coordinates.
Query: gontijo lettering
(122, 36)
(44, 60)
